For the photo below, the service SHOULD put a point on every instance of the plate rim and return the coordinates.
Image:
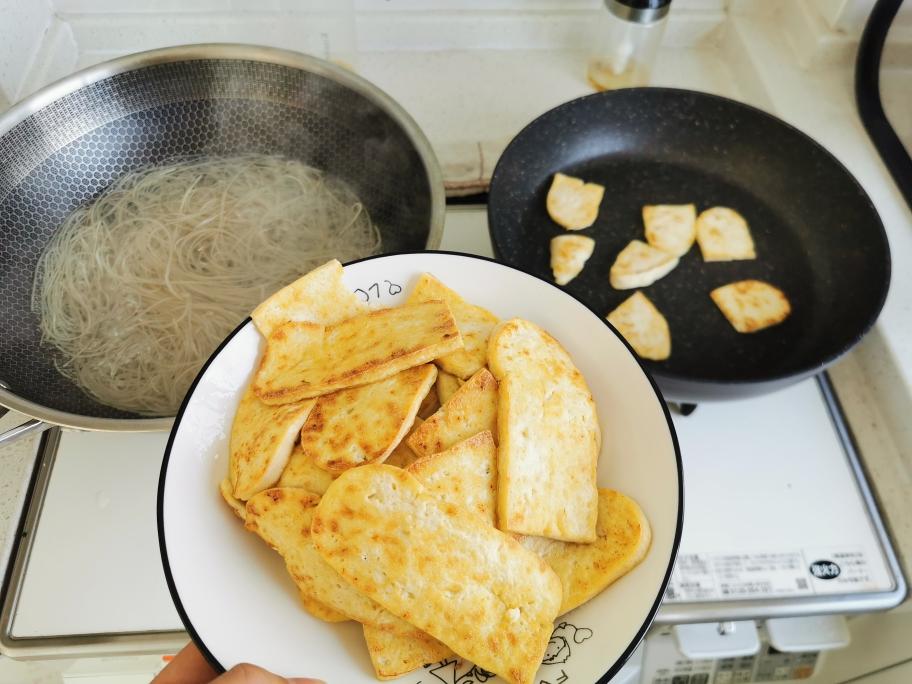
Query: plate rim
(166, 459)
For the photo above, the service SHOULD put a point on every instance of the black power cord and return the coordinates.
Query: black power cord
(867, 96)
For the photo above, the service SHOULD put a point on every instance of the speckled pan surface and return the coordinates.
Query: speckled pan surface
(233, 592)
(817, 234)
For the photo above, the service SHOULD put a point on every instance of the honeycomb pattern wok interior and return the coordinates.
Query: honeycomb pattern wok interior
(66, 153)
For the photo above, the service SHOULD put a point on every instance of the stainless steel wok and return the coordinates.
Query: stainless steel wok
(62, 146)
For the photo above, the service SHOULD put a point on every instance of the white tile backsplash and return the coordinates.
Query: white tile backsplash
(192, 6)
(22, 25)
(326, 35)
(341, 34)
(143, 6)
(480, 6)
(850, 16)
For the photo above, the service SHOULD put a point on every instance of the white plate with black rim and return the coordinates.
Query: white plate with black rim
(232, 591)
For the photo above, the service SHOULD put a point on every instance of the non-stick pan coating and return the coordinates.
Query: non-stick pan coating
(817, 235)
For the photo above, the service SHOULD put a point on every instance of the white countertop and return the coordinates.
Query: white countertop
(18, 460)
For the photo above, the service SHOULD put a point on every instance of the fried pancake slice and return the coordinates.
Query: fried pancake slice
(640, 265)
(474, 325)
(446, 387)
(671, 227)
(430, 403)
(622, 539)
(282, 517)
(361, 425)
(491, 601)
(465, 475)
(317, 297)
(723, 235)
(402, 455)
(643, 326)
(572, 203)
(262, 437)
(752, 305)
(394, 654)
(471, 409)
(227, 491)
(304, 360)
(569, 254)
(549, 437)
(303, 472)
(320, 610)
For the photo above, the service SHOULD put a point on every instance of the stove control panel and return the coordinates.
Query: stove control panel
(663, 663)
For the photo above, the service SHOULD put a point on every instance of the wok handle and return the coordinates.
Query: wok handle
(28, 427)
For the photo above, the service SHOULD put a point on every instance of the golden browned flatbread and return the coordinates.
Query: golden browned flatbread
(723, 235)
(640, 265)
(622, 540)
(227, 492)
(318, 297)
(430, 403)
(304, 360)
(549, 437)
(491, 601)
(262, 437)
(320, 610)
(474, 325)
(282, 517)
(752, 305)
(471, 409)
(402, 455)
(446, 387)
(303, 472)
(671, 227)
(569, 254)
(465, 475)
(573, 204)
(643, 326)
(362, 425)
(394, 654)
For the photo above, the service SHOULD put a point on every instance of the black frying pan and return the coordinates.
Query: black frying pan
(817, 234)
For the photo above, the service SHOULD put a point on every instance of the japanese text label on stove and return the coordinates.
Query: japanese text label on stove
(753, 574)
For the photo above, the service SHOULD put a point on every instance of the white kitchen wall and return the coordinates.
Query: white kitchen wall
(55, 37)
(850, 16)
(107, 6)
(379, 25)
(23, 24)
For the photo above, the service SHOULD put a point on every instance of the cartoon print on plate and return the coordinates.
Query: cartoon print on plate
(448, 671)
(563, 640)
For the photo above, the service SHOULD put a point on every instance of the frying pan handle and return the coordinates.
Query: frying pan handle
(28, 427)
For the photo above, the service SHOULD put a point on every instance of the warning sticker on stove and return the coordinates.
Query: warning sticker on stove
(724, 576)
(701, 577)
(840, 571)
